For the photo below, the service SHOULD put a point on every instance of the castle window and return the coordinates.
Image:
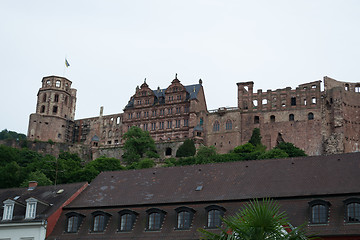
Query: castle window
(44, 97)
(319, 210)
(168, 151)
(310, 116)
(272, 118)
(256, 120)
(153, 126)
(214, 214)
(162, 112)
(313, 86)
(56, 98)
(57, 83)
(346, 87)
(216, 126)
(291, 117)
(161, 125)
(293, 101)
(264, 101)
(313, 100)
(186, 109)
(357, 88)
(145, 126)
(170, 111)
(118, 120)
(177, 122)
(127, 220)
(110, 134)
(305, 102)
(153, 113)
(48, 83)
(352, 213)
(155, 219)
(66, 101)
(55, 109)
(201, 121)
(186, 122)
(42, 109)
(255, 103)
(169, 124)
(100, 220)
(228, 125)
(177, 110)
(179, 97)
(8, 209)
(73, 222)
(184, 217)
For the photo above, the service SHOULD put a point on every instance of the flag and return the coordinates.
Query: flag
(66, 63)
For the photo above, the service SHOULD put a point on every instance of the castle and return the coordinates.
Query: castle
(318, 121)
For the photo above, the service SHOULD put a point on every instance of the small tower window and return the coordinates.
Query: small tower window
(58, 84)
(55, 109)
(293, 101)
(56, 98)
(313, 100)
(291, 117)
(357, 88)
(346, 87)
(310, 116)
(44, 97)
(256, 119)
(272, 118)
(42, 109)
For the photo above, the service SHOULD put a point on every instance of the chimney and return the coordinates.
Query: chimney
(32, 185)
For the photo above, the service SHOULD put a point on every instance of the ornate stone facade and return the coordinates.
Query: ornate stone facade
(319, 121)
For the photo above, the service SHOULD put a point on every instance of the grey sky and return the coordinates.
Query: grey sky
(113, 45)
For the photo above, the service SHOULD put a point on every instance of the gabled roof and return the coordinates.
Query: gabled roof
(48, 195)
(192, 93)
(275, 178)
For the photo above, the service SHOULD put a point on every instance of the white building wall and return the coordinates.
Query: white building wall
(23, 231)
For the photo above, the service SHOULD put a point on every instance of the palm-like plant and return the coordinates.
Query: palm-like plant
(257, 221)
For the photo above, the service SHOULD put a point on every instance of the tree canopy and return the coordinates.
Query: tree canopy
(138, 144)
(186, 149)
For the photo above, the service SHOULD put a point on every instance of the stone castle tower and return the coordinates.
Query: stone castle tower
(55, 111)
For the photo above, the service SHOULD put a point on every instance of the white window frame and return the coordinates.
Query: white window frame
(31, 205)
(8, 210)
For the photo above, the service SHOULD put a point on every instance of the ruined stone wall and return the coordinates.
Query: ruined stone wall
(227, 135)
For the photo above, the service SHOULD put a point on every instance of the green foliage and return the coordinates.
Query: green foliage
(5, 134)
(105, 164)
(204, 154)
(291, 149)
(257, 221)
(51, 142)
(146, 163)
(273, 153)
(138, 144)
(11, 175)
(246, 148)
(38, 176)
(255, 137)
(187, 149)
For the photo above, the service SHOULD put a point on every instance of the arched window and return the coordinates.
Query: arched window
(256, 119)
(100, 220)
(319, 211)
(213, 216)
(127, 220)
(310, 116)
(272, 118)
(228, 124)
(184, 217)
(346, 87)
(57, 83)
(155, 219)
(291, 117)
(216, 126)
(110, 134)
(73, 221)
(352, 210)
(168, 151)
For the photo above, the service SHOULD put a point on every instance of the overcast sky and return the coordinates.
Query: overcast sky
(113, 45)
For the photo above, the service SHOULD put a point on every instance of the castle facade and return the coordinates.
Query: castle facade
(319, 121)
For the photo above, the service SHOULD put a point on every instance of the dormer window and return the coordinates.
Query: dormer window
(8, 210)
(31, 208)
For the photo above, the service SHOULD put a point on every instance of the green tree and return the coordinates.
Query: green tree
(138, 144)
(11, 175)
(273, 153)
(187, 149)
(257, 221)
(255, 137)
(38, 176)
(291, 149)
(205, 154)
(105, 164)
(5, 134)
